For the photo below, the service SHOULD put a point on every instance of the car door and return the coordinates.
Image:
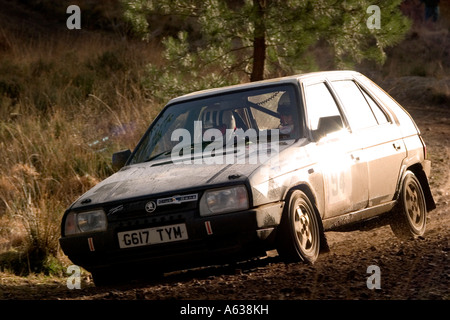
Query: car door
(337, 152)
(383, 146)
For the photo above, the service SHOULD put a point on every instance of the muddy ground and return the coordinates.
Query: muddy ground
(417, 270)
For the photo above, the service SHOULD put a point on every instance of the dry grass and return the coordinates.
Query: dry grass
(424, 53)
(66, 104)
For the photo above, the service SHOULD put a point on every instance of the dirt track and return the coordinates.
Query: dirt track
(416, 270)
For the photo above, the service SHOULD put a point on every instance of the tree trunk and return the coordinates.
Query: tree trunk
(259, 41)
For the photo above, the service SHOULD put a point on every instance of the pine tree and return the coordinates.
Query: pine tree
(255, 38)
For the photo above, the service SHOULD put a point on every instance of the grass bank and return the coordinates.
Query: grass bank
(66, 104)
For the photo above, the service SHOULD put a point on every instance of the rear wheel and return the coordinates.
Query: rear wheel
(409, 217)
(299, 233)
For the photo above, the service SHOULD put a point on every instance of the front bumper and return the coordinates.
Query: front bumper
(211, 240)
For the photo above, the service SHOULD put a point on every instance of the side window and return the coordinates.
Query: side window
(323, 113)
(356, 107)
(379, 114)
(401, 115)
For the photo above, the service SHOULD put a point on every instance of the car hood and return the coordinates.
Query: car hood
(164, 177)
(147, 179)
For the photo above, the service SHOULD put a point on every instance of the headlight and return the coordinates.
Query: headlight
(224, 200)
(88, 221)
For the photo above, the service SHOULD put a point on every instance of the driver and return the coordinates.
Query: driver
(286, 112)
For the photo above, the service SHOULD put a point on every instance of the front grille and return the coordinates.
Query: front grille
(150, 221)
(137, 209)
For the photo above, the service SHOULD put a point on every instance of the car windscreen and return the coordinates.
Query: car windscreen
(193, 122)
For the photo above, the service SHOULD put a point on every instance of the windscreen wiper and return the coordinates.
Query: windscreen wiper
(167, 152)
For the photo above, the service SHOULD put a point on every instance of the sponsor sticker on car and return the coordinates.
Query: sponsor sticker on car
(177, 199)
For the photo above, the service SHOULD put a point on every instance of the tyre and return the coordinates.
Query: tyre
(299, 234)
(410, 215)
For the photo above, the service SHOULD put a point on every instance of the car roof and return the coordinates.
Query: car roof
(251, 85)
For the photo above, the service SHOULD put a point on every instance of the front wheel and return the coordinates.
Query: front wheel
(299, 233)
(409, 217)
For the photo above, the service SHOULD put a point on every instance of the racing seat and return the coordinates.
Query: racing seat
(214, 117)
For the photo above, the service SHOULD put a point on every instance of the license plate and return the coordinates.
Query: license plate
(149, 236)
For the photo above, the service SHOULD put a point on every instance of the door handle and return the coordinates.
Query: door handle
(355, 158)
(396, 146)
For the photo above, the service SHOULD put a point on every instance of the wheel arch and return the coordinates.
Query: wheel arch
(419, 172)
(308, 191)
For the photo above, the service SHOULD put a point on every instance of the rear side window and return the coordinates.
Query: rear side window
(379, 114)
(408, 126)
(358, 112)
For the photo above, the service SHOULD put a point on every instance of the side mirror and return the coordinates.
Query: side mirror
(120, 158)
(327, 125)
